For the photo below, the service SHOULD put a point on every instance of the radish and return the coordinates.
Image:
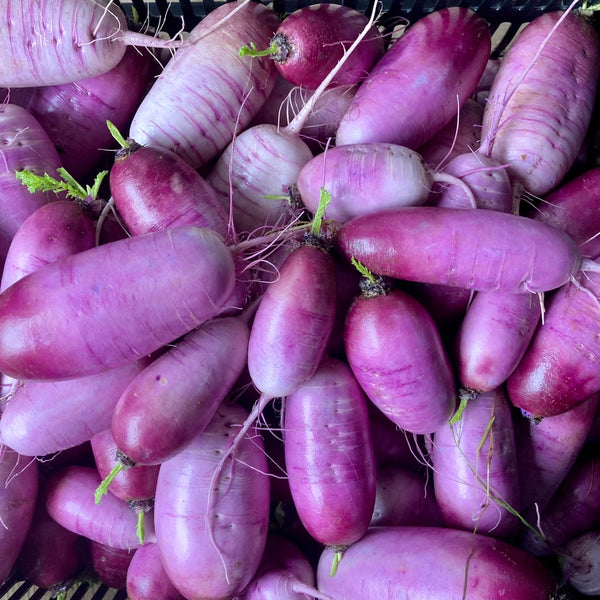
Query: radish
(580, 563)
(102, 289)
(434, 563)
(211, 535)
(207, 91)
(329, 456)
(411, 383)
(49, 44)
(110, 564)
(475, 249)
(435, 65)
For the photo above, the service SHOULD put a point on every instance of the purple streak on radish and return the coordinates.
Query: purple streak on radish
(440, 57)
(211, 538)
(434, 563)
(69, 496)
(411, 383)
(206, 91)
(18, 494)
(475, 467)
(329, 456)
(44, 417)
(482, 250)
(114, 289)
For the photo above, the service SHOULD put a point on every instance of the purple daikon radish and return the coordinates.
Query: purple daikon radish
(367, 178)
(18, 496)
(111, 564)
(410, 382)
(329, 456)
(573, 509)
(435, 65)
(404, 497)
(482, 250)
(538, 130)
(312, 39)
(207, 91)
(493, 337)
(559, 369)
(389, 563)
(579, 562)
(547, 450)
(146, 577)
(74, 115)
(284, 573)
(255, 174)
(475, 471)
(44, 417)
(69, 496)
(106, 307)
(211, 535)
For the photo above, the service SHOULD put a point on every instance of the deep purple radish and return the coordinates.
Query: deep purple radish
(256, 173)
(54, 230)
(154, 189)
(101, 290)
(146, 577)
(365, 178)
(580, 563)
(547, 450)
(25, 145)
(493, 337)
(44, 417)
(475, 468)
(212, 532)
(135, 486)
(74, 114)
(411, 383)
(404, 497)
(51, 555)
(111, 564)
(574, 208)
(173, 399)
(572, 510)
(329, 456)
(482, 250)
(535, 130)
(50, 44)
(435, 66)
(18, 495)
(311, 40)
(436, 564)
(459, 136)
(284, 573)
(69, 496)
(207, 91)
(559, 368)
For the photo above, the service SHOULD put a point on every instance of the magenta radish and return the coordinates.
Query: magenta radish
(364, 178)
(146, 577)
(482, 250)
(329, 456)
(312, 39)
(18, 495)
(207, 91)
(411, 383)
(579, 562)
(559, 368)
(50, 44)
(110, 564)
(435, 65)
(211, 534)
(69, 497)
(535, 130)
(438, 564)
(113, 288)
(547, 450)
(44, 417)
(475, 468)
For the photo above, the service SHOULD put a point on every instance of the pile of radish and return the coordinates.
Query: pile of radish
(295, 307)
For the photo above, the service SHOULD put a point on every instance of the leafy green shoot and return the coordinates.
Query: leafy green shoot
(117, 135)
(47, 183)
(253, 51)
(324, 200)
(363, 270)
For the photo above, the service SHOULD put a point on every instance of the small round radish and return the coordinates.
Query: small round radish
(146, 577)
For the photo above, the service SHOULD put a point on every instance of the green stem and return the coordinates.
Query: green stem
(117, 135)
(103, 487)
(337, 556)
(324, 200)
(253, 51)
(141, 529)
(366, 273)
